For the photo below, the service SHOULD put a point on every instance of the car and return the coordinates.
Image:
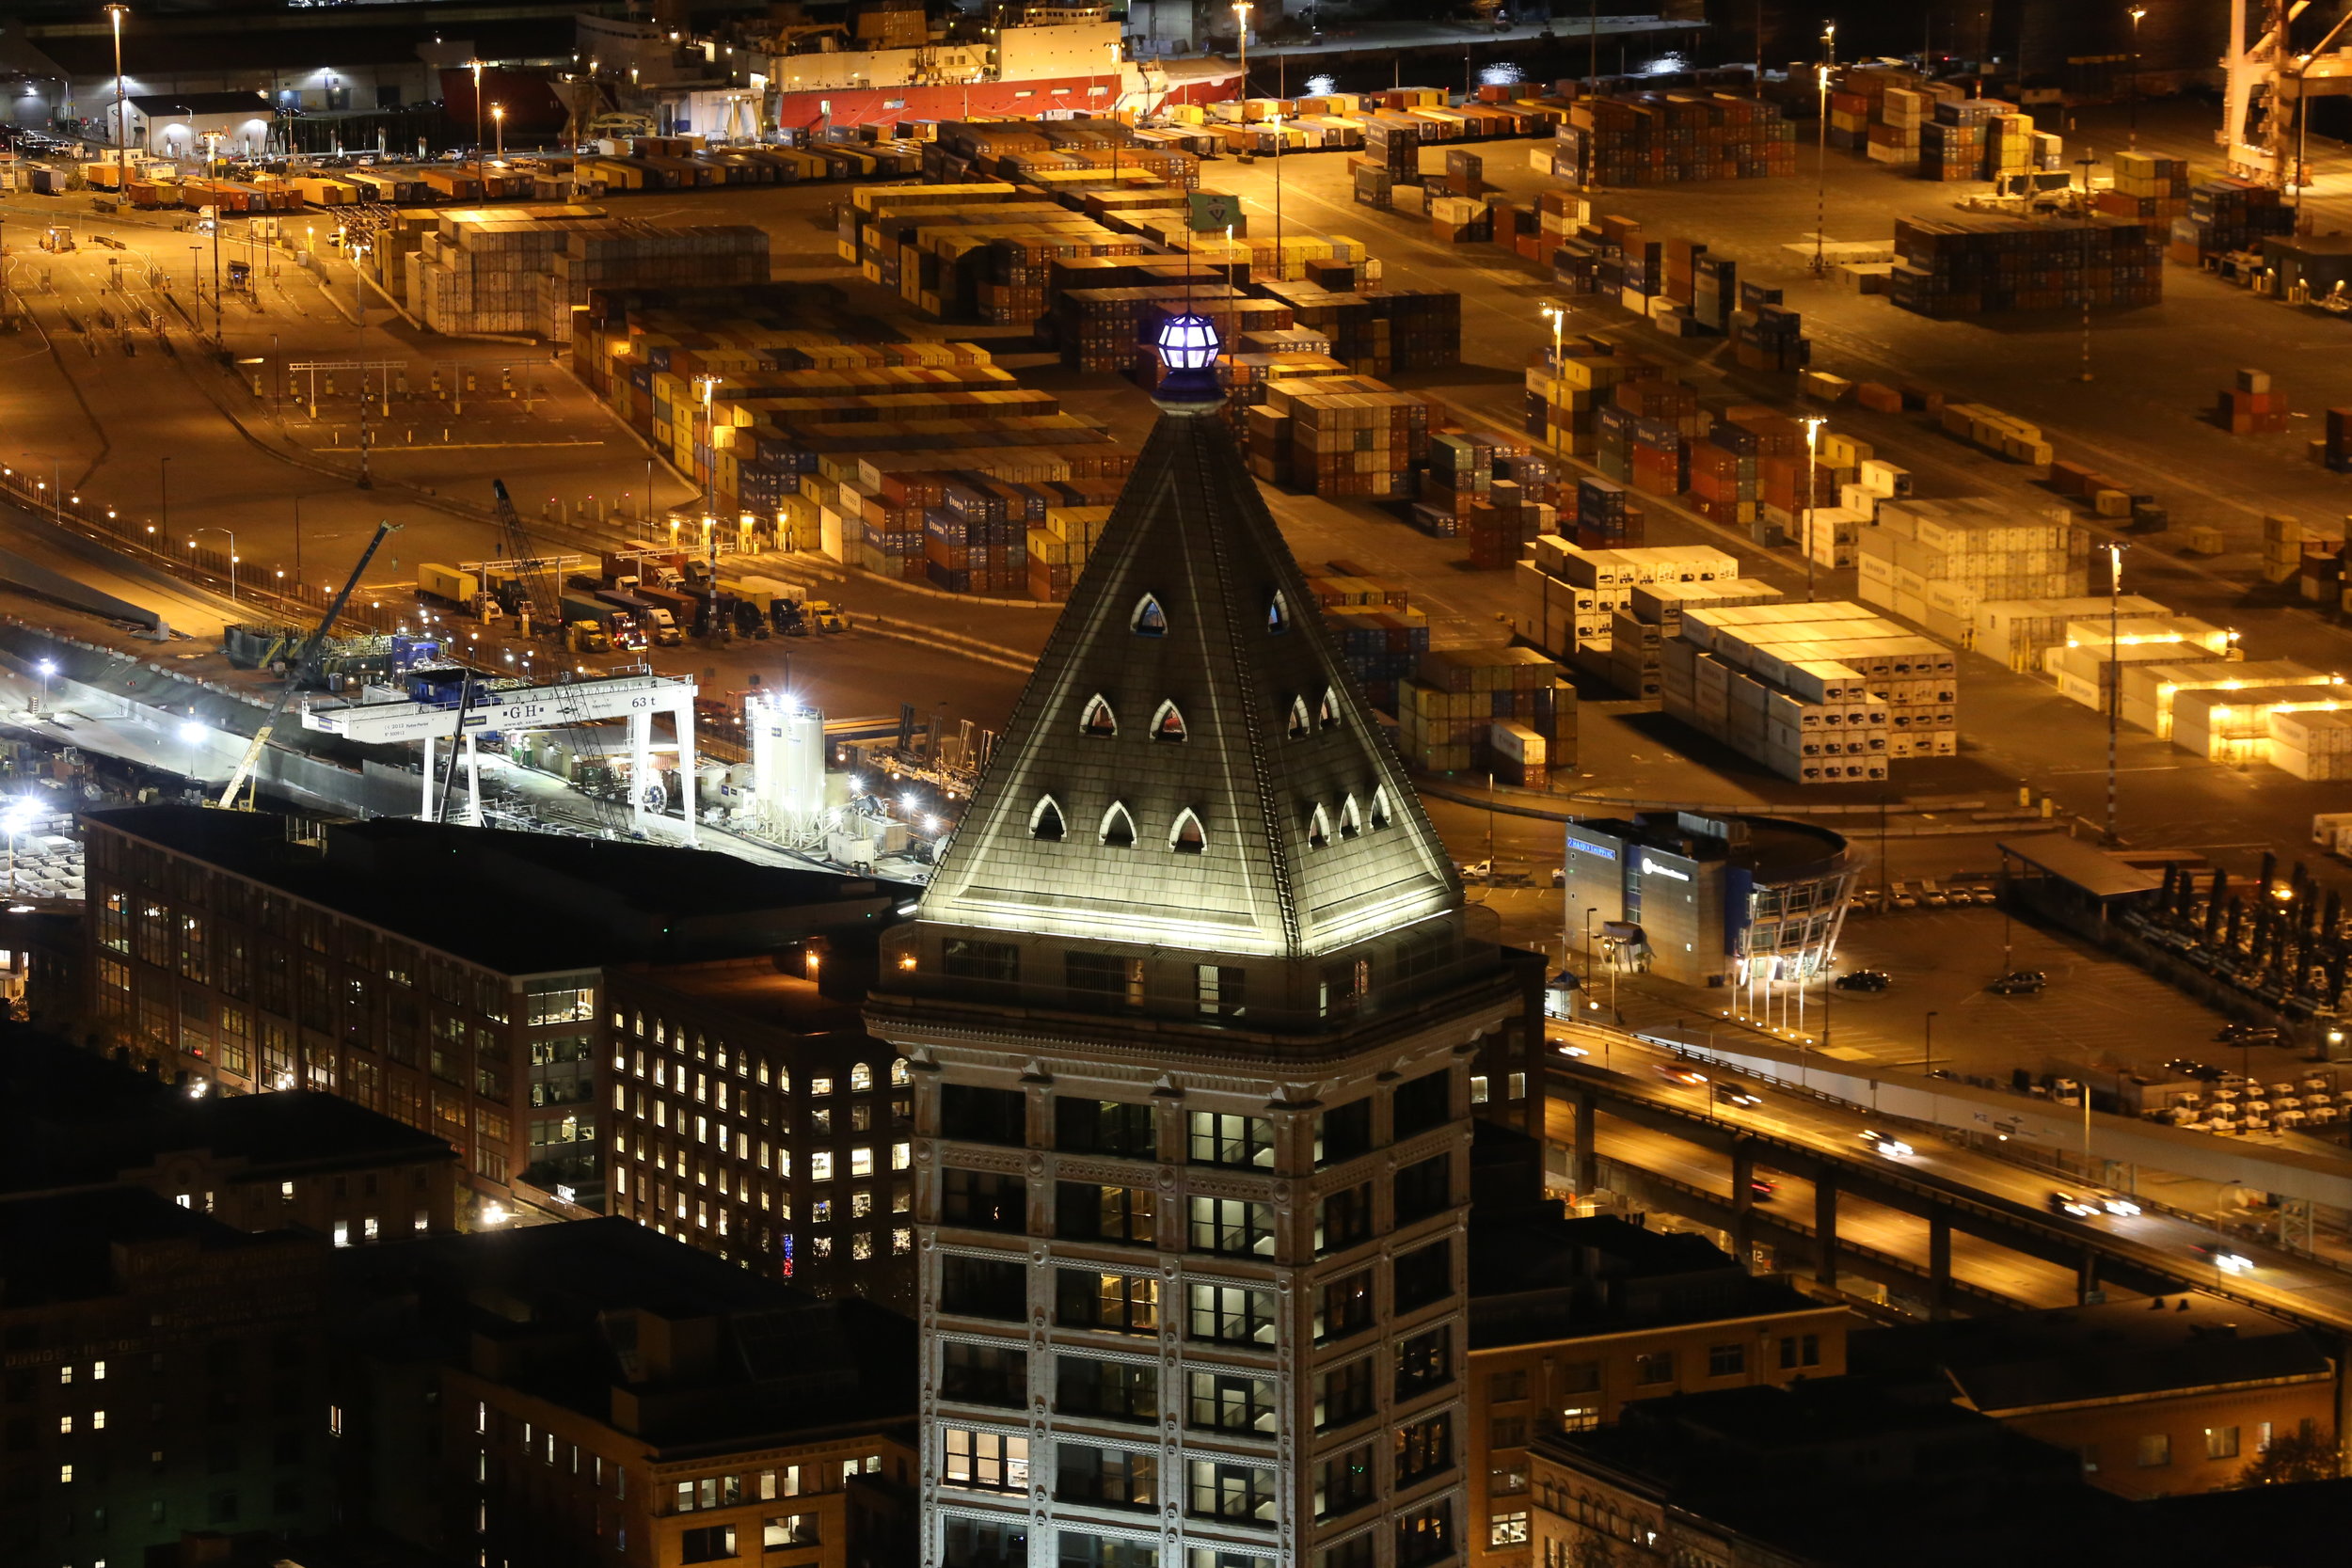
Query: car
(2072, 1207)
(2188, 1067)
(2019, 982)
(2247, 1034)
(1567, 1050)
(1936, 898)
(2223, 1258)
(1893, 1148)
(1863, 980)
(1471, 871)
(1986, 895)
(1762, 1188)
(1904, 899)
(1559, 876)
(2116, 1203)
(1674, 1072)
(1732, 1094)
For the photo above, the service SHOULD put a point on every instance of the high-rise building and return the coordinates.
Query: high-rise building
(1191, 1009)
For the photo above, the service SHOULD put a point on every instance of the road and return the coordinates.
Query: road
(2277, 1279)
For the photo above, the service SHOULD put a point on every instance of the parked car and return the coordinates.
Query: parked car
(1559, 876)
(2072, 1207)
(1893, 1148)
(1473, 871)
(2019, 982)
(2247, 1034)
(1863, 980)
(2188, 1067)
(1903, 898)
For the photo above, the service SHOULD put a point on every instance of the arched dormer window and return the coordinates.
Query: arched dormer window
(1098, 718)
(1351, 820)
(1277, 614)
(1379, 808)
(1327, 711)
(1300, 725)
(1188, 837)
(1169, 724)
(1046, 821)
(1117, 828)
(1150, 620)
(1318, 828)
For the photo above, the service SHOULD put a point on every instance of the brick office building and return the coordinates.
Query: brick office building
(754, 1117)
(447, 976)
(592, 1393)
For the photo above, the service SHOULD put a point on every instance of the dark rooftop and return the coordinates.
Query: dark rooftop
(69, 1246)
(1536, 1275)
(525, 903)
(201, 103)
(1770, 845)
(2120, 1350)
(606, 1318)
(69, 1118)
(755, 991)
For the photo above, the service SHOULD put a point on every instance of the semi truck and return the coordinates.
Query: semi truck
(652, 619)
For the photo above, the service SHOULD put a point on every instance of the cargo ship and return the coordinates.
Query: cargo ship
(1069, 61)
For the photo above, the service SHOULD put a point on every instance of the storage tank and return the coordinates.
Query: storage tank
(788, 759)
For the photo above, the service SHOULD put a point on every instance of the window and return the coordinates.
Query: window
(1343, 1394)
(819, 1164)
(1046, 821)
(1122, 1302)
(1230, 1315)
(1277, 614)
(1120, 1390)
(1103, 980)
(1506, 1431)
(1727, 1360)
(779, 1530)
(1425, 1535)
(1098, 719)
(970, 1114)
(1318, 828)
(1424, 1274)
(1351, 819)
(1422, 1447)
(2155, 1451)
(981, 1199)
(1343, 1306)
(1085, 1212)
(1653, 1367)
(1504, 1479)
(1300, 725)
(1150, 620)
(970, 1544)
(1358, 1551)
(1082, 1549)
(1188, 837)
(1118, 826)
(1420, 1105)
(1327, 710)
(1217, 988)
(709, 1544)
(1232, 1402)
(1167, 723)
(2221, 1442)
(1518, 1083)
(1506, 1387)
(1425, 1362)
(1222, 1489)
(1103, 1127)
(983, 1287)
(1343, 1134)
(558, 1002)
(987, 1461)
(1507, 1529)
(1478, 1088)
(963, 959)
(1800, 1350)
(1118, 1478)
(1222, 1140)
(1424, 1188)
(1232, 1227)
(984, 1374)
(1343, 1218)
(1343, 1483)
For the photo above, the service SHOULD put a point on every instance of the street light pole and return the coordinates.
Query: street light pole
(163, 491)
(2135, 13)
(1812, 491)
(232, 556)
(2115, 683)
(498, 121)
(1820, 169)
(1589, 912)
(1241, 23)
(477, 120)
(122, 159)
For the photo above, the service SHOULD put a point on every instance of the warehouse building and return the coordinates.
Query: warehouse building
(1739, 901)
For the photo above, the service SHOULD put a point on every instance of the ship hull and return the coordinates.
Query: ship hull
(1127, 92)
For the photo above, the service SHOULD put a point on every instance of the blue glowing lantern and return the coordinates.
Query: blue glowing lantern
(1188, 347)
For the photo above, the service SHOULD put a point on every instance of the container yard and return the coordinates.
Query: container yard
(1971, 264)
(1502, 710)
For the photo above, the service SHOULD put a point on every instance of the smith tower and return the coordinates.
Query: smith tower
(1191, 1009)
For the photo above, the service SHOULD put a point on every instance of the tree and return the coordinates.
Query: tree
(2293, 1457)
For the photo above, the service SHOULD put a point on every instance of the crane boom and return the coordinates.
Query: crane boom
(540, 595)
(304, 664)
